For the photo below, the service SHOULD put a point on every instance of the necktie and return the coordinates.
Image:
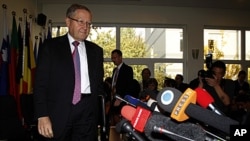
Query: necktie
(76, 58)
(114, 82)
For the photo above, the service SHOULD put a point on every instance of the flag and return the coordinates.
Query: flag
(4, 57)
(49, 35)
(19, 69)
(35, 49)
(28, 62)
(13, 60)
(13, 85)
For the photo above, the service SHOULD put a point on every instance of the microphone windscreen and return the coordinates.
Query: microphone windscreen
(203, 97)
(128, 112)
(188, 130)
(167, 98)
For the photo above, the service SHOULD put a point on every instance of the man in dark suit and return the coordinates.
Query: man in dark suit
(122, 79)
(60, 119)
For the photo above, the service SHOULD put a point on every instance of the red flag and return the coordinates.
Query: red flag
(13, 60)
(13, 85)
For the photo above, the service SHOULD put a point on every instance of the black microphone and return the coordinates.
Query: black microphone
(182, 106)
(158, 127)
(125, 126)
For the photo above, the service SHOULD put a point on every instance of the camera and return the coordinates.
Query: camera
(209, 73)
(206, 74)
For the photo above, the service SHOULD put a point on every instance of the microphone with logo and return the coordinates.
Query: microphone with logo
(182, 106)
(158, 127)
(135, 101)
(205, 100)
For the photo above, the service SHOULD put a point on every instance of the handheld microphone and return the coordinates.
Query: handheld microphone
(135, 101)
(158, 127)
(153, 105)
(182, 106)
(127, 102)
(125, 126)
(205, 100)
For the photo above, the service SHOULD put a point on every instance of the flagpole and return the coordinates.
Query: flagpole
(24, 52)
(5, 28)
(24, 34)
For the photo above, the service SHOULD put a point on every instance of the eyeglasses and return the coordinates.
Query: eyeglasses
(81, 22)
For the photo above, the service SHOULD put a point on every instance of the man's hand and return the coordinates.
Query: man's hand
(212, 81)
(117, 102)
(45, 127)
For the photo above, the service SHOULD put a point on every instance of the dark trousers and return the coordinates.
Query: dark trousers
(82, 123)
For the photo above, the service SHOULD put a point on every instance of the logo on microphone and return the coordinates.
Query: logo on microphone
(167, 97)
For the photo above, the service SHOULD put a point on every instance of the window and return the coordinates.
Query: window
(151, 42)
(223, 44)
(247, 42)
(226, 45)
(142, 47)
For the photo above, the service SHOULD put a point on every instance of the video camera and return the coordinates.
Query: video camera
(209, 73)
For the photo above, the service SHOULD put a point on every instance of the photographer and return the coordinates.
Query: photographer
(221, 89)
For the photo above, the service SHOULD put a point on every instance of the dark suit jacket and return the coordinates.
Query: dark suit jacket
(124, 80)
(54, 80)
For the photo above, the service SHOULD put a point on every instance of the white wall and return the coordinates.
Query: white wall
(18, 6)
(193, 18)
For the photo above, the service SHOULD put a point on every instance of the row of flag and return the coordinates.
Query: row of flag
(18, 57)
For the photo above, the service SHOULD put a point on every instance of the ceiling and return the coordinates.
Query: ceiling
(227, 4)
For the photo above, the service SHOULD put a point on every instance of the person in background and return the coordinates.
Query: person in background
(107, 88)
(241, 109)
(152, 85)
(145, 74)
(221, 89)
(180, 85)
(193, 84)
(169, 82)
(122, 80)
(61, 116)
(241, 85)
(136, 89)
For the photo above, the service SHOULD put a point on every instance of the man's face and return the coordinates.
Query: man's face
(79, 24)
(145, 75)
(219, 73)
(116, 59)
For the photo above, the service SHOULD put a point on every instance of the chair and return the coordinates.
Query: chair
(102, 119)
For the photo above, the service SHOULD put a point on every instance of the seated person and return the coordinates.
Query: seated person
(180, 85)
(241, 85)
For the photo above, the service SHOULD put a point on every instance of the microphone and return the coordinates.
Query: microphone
(158, 127)
(205, 100)
(135, 101)
(182, 106)
(153, 105)
(125, 126)
(127, 102)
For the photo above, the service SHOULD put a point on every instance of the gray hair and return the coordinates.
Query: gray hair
(71, 10)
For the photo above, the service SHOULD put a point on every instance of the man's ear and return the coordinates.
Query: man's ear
(67, 21)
